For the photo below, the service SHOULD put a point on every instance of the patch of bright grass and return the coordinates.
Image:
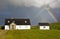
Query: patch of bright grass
(33, 34)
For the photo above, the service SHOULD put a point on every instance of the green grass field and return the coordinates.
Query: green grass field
(34, 33)
(30, 34)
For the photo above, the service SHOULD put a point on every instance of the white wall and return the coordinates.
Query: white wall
(46, 28)
(6, 27)
(23, 26)
(19, 27)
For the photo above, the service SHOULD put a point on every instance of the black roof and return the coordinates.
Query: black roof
(17, 21)
(43, 24)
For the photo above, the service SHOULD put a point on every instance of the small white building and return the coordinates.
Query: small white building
(12, 24)
(44, 26)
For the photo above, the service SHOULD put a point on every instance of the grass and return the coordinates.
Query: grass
(0, 27)
(55, 26)
(30, 34)
(33, 33)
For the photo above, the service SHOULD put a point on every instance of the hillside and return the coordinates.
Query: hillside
(30, 34)
(33, 33)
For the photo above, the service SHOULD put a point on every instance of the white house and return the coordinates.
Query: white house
(12, 24)
(44, 26)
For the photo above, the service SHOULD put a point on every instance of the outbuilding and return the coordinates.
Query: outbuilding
(44, 26)
(12, 24)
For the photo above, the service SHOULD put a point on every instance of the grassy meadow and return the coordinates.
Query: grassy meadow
(33, 33)
(30, 34)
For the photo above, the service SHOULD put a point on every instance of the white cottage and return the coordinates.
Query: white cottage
(44, 26)
(12, 24)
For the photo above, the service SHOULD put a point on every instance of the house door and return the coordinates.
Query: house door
(12, 26)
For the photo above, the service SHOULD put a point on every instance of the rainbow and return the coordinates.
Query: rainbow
(51, 14)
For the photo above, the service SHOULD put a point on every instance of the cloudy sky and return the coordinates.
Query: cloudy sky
(36, 10)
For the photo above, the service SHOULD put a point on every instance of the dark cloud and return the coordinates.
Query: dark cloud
(23, 9)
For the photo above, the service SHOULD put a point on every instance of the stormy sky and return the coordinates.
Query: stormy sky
(35, 10)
